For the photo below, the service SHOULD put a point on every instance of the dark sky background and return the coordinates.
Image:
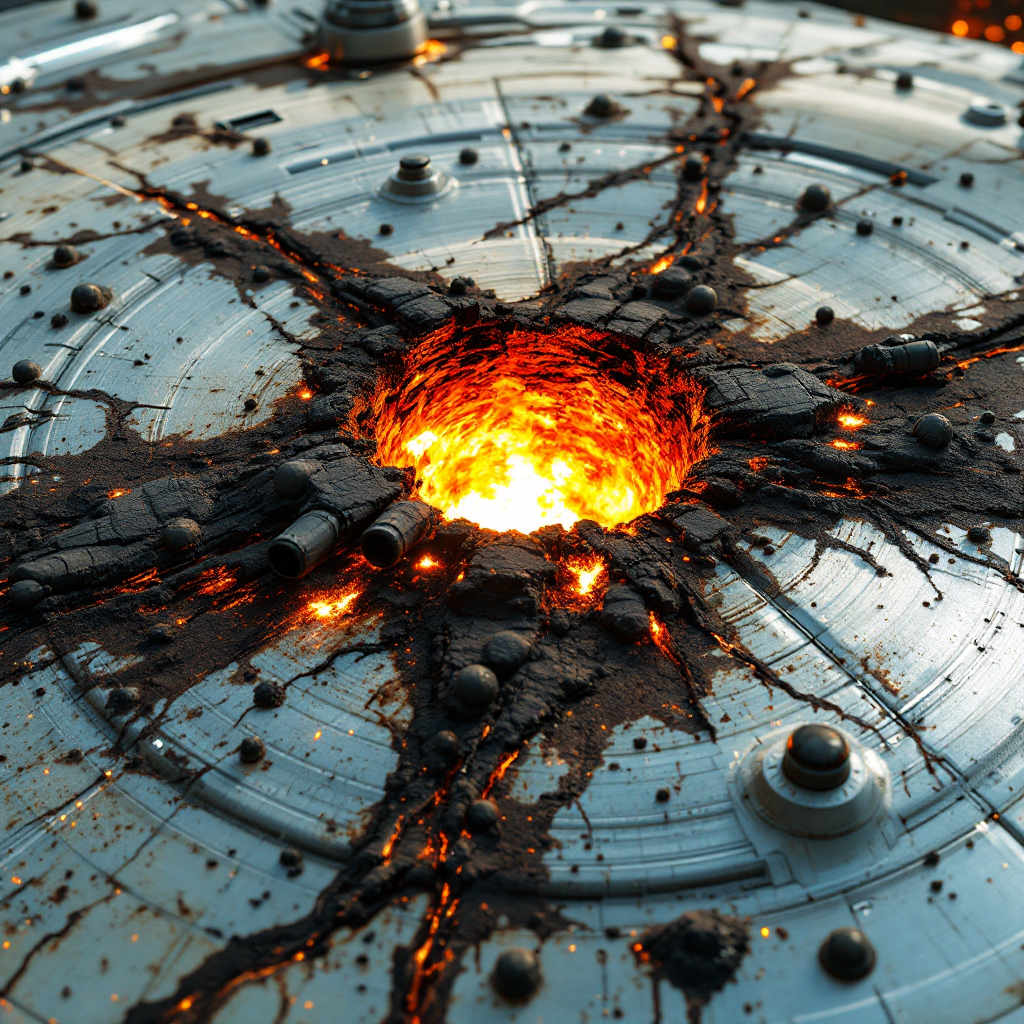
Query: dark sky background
(1001, 21)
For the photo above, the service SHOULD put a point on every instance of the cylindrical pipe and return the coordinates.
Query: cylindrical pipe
(400, 528)
(304, 545)
(912, 357)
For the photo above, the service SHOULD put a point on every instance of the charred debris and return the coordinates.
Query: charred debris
(194, 554)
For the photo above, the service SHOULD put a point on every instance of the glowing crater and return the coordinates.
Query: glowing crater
(518, 430)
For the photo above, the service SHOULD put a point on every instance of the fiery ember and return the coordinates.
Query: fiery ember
(587, 572)
(331, 607)
(520, 430)
(852, 421)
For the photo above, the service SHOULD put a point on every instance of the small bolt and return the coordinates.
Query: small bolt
(663, 795)
(469, 156)
(260, 147)
(639, 742)
(58, 320)
(516, 973)
(602, 105)
(701, 300)
(817, 757)
(89, 298)
(481, 817)
(988, 416)
(118, 121)
(65, 256)
(693, 167)
(261, 273)
(386, 229)
(292, 860)
(904, 81)
(816, 198)
(86, 9)
(847, 954)
(26, 165)
(251, 750)
(476, 686)
(979, 535)
(612, 38)
(267, 695)
(25, 371)
(825, 316)
(934, 431)
(161, 633)
(865, 228)
(415, 167)
(966, 179)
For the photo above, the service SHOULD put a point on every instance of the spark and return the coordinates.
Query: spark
(663, 263)
(118, 492)
(426, 562)
(852, 421)
(844, 445)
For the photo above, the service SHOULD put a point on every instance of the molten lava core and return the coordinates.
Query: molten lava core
(517, 430)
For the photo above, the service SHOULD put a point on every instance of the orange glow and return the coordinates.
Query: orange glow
(852, 421)
(964, 363)
(319, 60)
(216, 580)
(1013, 22)
(305, 394)
(185, 1004)
(668, 42)
(331, 607)
(995, 33)
(656, 628)
(426, 562)
(663, 264)
(520, 430)
(587, 572)
(136, 584)
(118, 492)
(702, 200)
(960, 27)
(432, 50)
(748, 84)
(499, 773)
(1018, 47)
(757, 463)
(392, 839)
(844, 445)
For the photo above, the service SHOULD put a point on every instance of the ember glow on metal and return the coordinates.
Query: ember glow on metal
(526, 430)
(332, 607)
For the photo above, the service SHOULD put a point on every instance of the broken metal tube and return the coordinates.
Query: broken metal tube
(304, 545)
(400, 528)
(911, 357)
